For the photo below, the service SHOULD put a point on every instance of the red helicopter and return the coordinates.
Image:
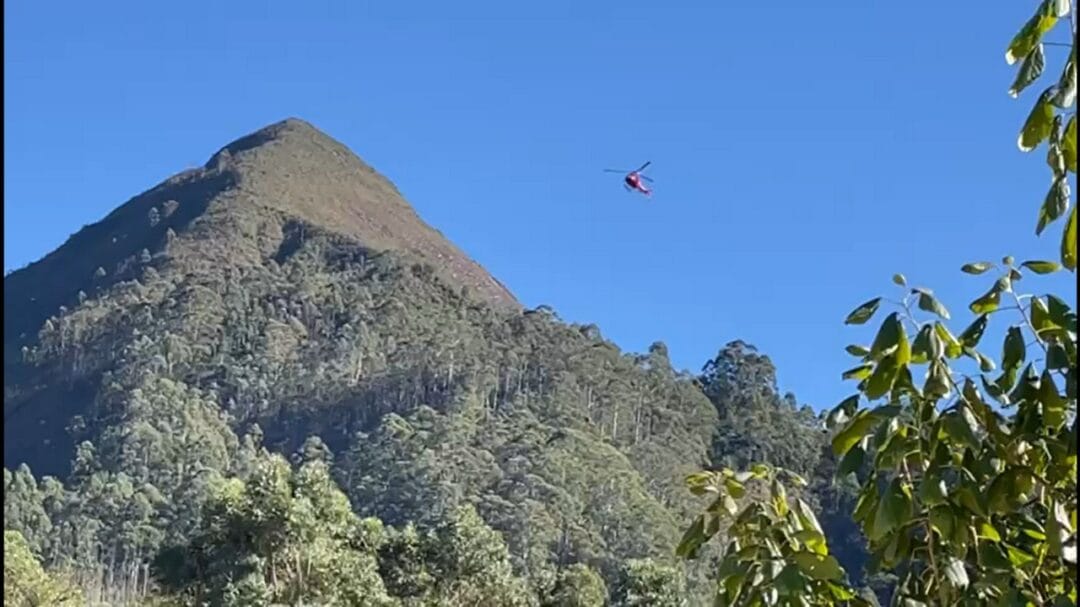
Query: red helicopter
(632, 181)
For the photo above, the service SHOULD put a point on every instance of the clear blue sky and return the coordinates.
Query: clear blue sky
(803, 152)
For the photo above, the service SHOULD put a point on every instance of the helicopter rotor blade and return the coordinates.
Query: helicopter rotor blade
(615, 171)
(644, 165)
(646, 178)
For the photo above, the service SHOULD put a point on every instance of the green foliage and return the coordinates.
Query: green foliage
(960, 503)
(776, 551)
(26, 584)
(966, 505)
(24, 510)
(647, 582)
(429, 399)
(278, 537)
(1052, 119)
(756, 423)
(460, 561)
(578, 586)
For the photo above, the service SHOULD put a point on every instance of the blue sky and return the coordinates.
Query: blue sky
(803, 152)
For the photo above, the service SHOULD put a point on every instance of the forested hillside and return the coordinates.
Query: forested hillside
(446, 446)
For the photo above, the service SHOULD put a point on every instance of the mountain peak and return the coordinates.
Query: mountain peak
(289, 132)
(296, 169)
(237, 209)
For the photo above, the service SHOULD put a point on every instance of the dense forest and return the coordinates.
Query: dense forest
(267, 381)
(220, 327)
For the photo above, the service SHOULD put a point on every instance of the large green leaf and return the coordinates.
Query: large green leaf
(942, 520)
(693, 538)
(894, 509)
(1055, 204)
(1055, 158)
(881, 380)
(1029, 71)
(1014, 351)
(852, 461)
(971, 499)
(926, 346)
(1068, 242)
(806, 516)
(904, 384)
(988, 302)
(992, 557)
(929, 303)
(932, 489)
(817, 566)
(859, 426)
(987, 531)
(790, 582)
(938, 384)
(1019, 557)
(867, 503)
(1042, 267)
(1057, 356)
(1068, 144)
(977, 267)
(734, 488)
(1060, 312)
(1039, 315)
(959, 428)
(1039, 123)
(863, 313)
(779, 497)
(1065, 95)
(861, 372)
(701, 483)
(953, 347)
(842, 412)
(1028, 37)
(889, 335)
(1016, 487)
(1027, 388)
(1054, 406)
(974, 332)
(857, 350)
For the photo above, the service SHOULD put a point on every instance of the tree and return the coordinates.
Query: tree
(283, 537)
(26, 584)
(23, 509)
(646, 582)
(459, 561)
(755, 422)
(967, 479)
(776, 552)
(578, 586)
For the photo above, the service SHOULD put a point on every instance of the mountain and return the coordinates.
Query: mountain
(286, 291)
(253, 204)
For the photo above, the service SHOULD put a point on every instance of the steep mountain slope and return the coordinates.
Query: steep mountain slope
(250, 204)
(287, 290)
